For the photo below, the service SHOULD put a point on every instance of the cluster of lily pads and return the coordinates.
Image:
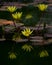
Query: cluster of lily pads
(17, 17)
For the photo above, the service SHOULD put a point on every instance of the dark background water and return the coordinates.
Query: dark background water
(23, 57)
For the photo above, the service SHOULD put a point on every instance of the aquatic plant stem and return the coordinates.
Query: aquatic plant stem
(28, 38)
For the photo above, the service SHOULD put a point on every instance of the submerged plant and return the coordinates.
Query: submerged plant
(11, 8)
(17, 36)
(27, 47)
(28, 16)
(17, 18)
(42, 7)
(44, 53)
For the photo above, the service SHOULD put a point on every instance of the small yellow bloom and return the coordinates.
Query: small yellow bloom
(28, 16)
(42, 7)
(26, 32)
(44, 53)
(17, 15)
(11, 8)
(27, 47)
(12, 56)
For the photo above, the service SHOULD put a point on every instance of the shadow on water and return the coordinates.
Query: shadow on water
(23, 57)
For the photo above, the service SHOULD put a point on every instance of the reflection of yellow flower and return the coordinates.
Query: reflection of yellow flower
(44, 53)
(42, 7)
(11, 8)
(28, 16)
(27, 47)
(12, 55)
(27, 32)
(17, 15)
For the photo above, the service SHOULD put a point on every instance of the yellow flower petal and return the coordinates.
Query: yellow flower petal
(44, 53)
(27, 47)
(42, 7)
(11, 8)
(12, 56)
(17, 15)
(27, 32)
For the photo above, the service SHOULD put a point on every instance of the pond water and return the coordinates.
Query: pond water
(23, 57)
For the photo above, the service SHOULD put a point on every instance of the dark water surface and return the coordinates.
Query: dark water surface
(24, 58)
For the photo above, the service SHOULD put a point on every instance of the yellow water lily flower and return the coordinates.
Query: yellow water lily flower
(44, 53)
(12, 55)
(42, 7)
(28, 16)
(27, 32)
(11, 8)
(27, 47)
(17, 15)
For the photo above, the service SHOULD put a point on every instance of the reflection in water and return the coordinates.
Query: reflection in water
(28, 58)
